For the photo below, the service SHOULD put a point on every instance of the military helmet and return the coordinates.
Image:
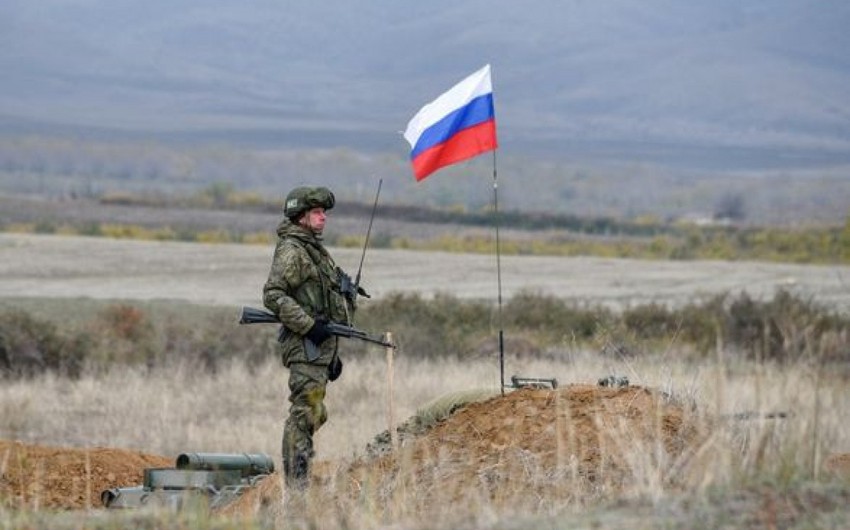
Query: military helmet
(304, 198)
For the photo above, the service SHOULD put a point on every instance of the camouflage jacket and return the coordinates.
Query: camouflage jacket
(304, 283)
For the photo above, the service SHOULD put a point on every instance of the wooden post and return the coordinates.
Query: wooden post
(390, 392)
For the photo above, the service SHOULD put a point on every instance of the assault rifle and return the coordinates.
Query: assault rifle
(252, 315)
(349, 288)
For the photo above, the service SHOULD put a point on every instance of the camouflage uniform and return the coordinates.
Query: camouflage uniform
(303, 285)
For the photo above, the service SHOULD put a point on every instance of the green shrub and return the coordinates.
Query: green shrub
(701, 323)
(783, 329)
(30, 346)
(207, 342)
(553, 316)
(443, 326)
(651, 321)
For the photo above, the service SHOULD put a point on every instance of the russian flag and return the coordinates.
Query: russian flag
(458, 125)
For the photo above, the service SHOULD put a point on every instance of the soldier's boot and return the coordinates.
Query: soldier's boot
(297, 453)
(298, 475)
(296, 471)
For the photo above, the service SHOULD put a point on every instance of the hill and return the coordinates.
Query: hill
(722, 85)
(661, 108)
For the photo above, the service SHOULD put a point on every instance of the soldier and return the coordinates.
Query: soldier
(304, 291)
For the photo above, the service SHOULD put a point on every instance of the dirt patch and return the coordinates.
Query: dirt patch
(38, 477)
(531, 442)
(537, 441)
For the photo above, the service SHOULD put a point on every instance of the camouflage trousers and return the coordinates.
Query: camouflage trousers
(307, 413)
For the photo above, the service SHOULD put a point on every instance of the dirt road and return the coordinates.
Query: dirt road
(71, 266)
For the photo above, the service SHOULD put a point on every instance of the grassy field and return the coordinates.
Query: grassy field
(239, 410)
(736, 472)
(747, 471)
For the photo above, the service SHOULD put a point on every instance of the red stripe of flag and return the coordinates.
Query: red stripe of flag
(464, 144)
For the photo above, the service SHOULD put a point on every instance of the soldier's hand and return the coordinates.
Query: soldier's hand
(319, 333)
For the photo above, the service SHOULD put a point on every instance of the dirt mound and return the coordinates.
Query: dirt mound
(35, 477)
(536, 442)
(531, 442)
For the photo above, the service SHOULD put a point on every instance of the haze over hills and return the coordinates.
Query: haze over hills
(762, 74)
(697, 86)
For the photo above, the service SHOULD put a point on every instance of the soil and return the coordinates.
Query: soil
(544, 436)
(38, 477)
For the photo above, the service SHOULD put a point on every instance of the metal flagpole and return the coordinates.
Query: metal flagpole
(499, 277)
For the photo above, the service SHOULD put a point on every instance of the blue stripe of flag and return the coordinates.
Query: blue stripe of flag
(476, 111)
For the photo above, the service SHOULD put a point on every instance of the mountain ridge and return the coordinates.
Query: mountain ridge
(766, 76)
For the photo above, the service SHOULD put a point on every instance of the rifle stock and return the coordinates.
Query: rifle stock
(252, 315)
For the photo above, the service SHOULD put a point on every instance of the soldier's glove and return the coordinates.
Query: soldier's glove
(319, 332)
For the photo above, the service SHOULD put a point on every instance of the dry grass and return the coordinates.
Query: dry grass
(235, 410)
